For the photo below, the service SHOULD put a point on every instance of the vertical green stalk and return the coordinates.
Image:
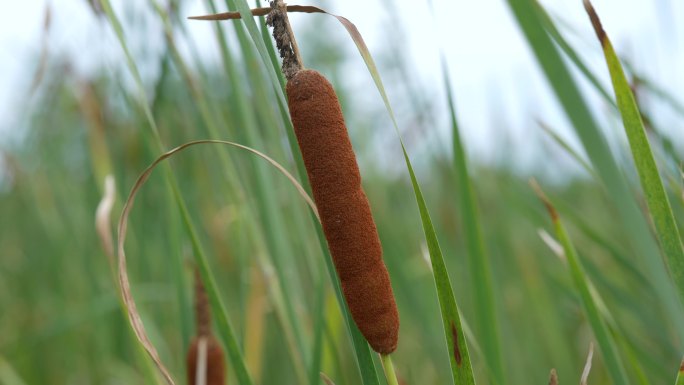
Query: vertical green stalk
(388, 366)
(485, 303)
(591, 308)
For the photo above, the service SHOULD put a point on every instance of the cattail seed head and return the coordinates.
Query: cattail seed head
(215, 366)
(205, 355)
(343, 207)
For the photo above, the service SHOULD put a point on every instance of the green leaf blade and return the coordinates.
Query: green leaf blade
(459, 358)
(651, 183)
(590, 304)
(480, 265)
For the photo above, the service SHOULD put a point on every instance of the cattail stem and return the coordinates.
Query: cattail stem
(202, 308)
(388, 367)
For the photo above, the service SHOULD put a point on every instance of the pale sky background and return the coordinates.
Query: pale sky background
(494, 75)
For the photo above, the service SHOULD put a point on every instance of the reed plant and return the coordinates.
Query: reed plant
(302, 251)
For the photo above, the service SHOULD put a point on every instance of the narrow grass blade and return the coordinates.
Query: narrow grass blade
(319, 327)
(485, 302)
(591, 308)
(620, 339)
(553, 31)
(587, 365)
(656, 197)
(568, 149)
(142, 95)
(633, 362)
(456, 344)
(567, 92)
(253, 30)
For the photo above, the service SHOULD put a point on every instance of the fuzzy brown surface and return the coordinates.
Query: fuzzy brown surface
(216, 370)
(343, 207)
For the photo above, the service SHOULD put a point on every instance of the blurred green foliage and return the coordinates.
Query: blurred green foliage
(61, 319)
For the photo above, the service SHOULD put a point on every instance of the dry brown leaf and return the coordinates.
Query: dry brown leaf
(326, 379)
(587, 365)
(552, 243)
(103, 217)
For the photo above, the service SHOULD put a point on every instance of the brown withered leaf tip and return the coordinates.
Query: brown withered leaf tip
(457, 351)
(595, 22)
(343, 207)
(216, 369)
(547, 203)
(553, 378)
(681, 366)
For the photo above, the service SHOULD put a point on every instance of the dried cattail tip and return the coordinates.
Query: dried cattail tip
(343, 207)
(205, 361)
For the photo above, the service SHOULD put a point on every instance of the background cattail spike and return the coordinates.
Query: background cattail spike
(202, 308)
(205, 359)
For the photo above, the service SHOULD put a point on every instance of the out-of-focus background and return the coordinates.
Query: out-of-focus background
(72, 112)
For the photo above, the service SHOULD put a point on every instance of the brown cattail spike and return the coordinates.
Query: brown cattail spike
(205, 355)
(215, 370)
(343, 207)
